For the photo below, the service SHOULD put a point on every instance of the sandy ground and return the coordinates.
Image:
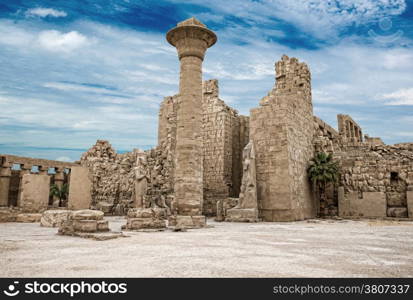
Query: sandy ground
(299, 249)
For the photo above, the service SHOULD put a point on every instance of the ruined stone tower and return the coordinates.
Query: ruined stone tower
(282, 131)
(191, 39)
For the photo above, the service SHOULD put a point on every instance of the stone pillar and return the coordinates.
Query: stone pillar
(410, 201)
(80, 189)
(34, 193)
(191, 39)
(43, 170)
(343, 206)
(5, 174)
(24, 169)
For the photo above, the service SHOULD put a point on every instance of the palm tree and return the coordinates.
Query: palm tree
(59, 192)
(322, 172)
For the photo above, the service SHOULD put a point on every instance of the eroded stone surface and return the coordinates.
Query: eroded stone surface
(87, 224)
(28, 218)
(53, 218)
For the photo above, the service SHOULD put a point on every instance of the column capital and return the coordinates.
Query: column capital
(59, 176)
(191, 38)
(43, 170)
(5, 171)
(25, 169)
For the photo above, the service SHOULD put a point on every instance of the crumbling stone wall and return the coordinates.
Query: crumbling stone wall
(374, 141)
(282, 130)
(383, 169)
(349, 129)
(113, 175)
(224, 133)
(326, 138)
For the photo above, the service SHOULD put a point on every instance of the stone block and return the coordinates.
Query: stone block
(87, 214)
(410, 203)
(28, 218)
(8, 214)
(343, 203)
(85, 225)
(141, 213)
(102, 225)
(184, 221)
(80, 187)
(105, 207)
(396, 199)
(54, 218)
(242, 215)
(145, 223)
(34, 194)
(397, 212)
(199, 221)
(172, 221)
(372, 204)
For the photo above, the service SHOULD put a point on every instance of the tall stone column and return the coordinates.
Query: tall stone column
(24, 169)
(5, 174)
(191, 39)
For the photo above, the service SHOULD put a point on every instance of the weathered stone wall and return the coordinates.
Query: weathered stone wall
(13, 168)
(167, 119)
(326, 138)
(349, 129)
(113, 175)
(282, 130)
(225, 133)
(224, 136)
(387, 170)
(374, 141)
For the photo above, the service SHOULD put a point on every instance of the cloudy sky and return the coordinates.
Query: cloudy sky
(72, 72)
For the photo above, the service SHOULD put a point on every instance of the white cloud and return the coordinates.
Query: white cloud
(400, 97)
(62, 86)
(56, 41)
(12, 35)
(64, 158)
(53, 114)
(318, 17)
(45, 12)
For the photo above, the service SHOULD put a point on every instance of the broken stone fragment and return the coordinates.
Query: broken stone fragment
(145, 223)
(54, 217)
(397, 212)
(87, 214)
(85, 225)
(190, 221)
(28, 218)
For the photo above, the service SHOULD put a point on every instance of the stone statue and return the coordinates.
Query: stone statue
(247, 208)
(141, 180)
(248, 192)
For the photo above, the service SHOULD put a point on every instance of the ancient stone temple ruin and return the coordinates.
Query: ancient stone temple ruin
(212, 161)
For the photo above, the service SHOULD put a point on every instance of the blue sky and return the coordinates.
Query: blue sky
(75, 71)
